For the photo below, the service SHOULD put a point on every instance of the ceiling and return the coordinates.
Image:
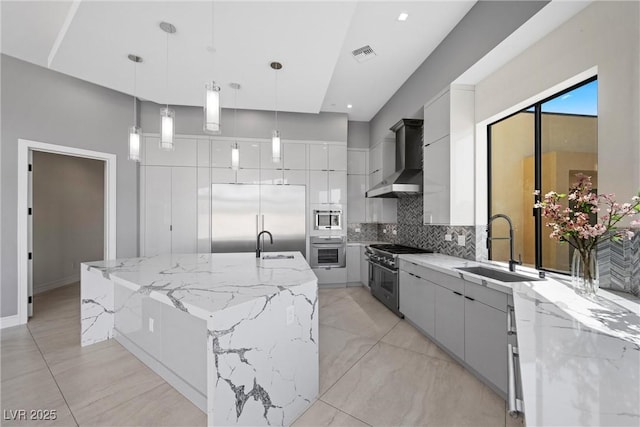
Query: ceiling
(90, 40)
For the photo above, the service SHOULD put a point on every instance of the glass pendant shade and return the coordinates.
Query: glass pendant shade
(275, 146)
(235, 157)
(167, 129)
(212, 108)
(135, 135)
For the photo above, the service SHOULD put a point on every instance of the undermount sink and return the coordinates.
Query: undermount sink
(502, 276)
(280, 256)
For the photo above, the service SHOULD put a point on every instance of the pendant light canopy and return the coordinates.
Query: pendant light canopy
(235, 152)
(275, 135)
(212, 96)
(167, 116)
(135, 132)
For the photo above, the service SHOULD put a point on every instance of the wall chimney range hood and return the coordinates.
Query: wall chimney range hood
(407, 180)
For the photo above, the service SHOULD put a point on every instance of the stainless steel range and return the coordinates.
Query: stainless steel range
(383, 272)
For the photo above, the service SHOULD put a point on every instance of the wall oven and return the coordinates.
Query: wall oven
(328, 251)
(327, 220)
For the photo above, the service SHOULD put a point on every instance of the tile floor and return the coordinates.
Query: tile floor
(375, 369)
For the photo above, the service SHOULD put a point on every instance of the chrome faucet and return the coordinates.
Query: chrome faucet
(258, 249)
(512, 262)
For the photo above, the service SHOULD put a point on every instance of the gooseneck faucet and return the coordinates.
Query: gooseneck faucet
(258, 249)
(512, 262)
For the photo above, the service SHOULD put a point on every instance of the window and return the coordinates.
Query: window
(541, 147)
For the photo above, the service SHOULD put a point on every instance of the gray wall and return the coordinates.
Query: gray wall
(486, 25)
(252, 123)
(46, 106)
(68, 217)
(358, 135)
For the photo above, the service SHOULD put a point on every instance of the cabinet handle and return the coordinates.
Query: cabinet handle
(171, 228)
(457, 293)
(469, 298)
(511, 330)
(515, 404)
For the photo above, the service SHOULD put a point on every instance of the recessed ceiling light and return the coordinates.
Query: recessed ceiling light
(349, 106)
(403, 16)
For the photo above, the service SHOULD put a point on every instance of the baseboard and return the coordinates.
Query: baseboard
(56, 283)
(9, 321)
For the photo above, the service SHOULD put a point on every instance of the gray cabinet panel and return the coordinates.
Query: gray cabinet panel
(417, 301)
(490, 297)
(486, 342)
(450, 320)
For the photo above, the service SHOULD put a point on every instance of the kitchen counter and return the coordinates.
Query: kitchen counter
(236, 335)
(579, 357)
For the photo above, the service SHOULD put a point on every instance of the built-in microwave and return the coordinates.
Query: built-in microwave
(327, 219)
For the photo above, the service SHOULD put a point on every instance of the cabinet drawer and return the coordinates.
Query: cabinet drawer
(450, 282)
(490, 297)
(412, 268)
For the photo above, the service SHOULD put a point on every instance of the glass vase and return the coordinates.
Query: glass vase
(584, 273)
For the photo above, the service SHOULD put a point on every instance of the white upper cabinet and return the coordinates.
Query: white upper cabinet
(223, 176)
(337, 160)
(356, 187)
(270, 176)
(294, 177)
(357, 162)
(266, 157)
(221, 153)
(449, 158)
(247, 176)
(249, 154)
(318, 157)
(184, 152)
(203, 154)
(294, 155)
(318, 187)
(184, 214)
(337, 187)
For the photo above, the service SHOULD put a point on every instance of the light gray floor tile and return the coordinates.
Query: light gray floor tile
(406, 336)
(321, 414)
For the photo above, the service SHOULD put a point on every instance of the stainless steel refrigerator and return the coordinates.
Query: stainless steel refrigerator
(240, 211)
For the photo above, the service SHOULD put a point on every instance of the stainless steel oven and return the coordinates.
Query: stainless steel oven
(327, 220)
(328, 251)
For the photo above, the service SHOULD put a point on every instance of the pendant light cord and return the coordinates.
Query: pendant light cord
(135, 67)
(276, 99)
(166, 87)
(235, 110)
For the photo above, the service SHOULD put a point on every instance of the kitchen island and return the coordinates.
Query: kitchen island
(235, 334)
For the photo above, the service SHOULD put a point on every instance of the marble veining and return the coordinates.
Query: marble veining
(261, 321)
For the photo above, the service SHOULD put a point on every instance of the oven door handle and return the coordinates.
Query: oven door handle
(383, 267)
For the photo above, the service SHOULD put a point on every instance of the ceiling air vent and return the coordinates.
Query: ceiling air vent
(363, 54)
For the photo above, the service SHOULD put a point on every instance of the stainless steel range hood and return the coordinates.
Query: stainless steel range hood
(407, 180)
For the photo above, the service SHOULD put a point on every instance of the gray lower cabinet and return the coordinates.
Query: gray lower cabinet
(449, 310)
(417, 301)
(485, 341)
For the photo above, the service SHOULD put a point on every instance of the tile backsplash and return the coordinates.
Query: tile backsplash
(619, 265)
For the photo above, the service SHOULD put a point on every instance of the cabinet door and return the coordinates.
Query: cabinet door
(355, 198)
(221, 153)
(450, 320)
(375, 160)
(223, 176)
(294, 177)
(357, 162)
(249, 155)
(294, 155)
(204, 210)
(337, 157)
(437, 118)
(248, 176)
(353, 264)
(184, 203)
(318, 184)
(204, 153)
(485, 347)
(436, 182)
(417, 301)
(364, 267)
(266, 157)
(270, 176)
(338, 187)
(157, 212)
(184, 152)
(318, 157)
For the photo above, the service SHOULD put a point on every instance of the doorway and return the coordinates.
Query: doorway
(64, 231)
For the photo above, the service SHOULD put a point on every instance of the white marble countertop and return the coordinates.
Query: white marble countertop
(579, 357)
(203, 284)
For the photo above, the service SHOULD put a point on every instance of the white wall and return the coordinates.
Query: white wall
(42, 105)
(358, 135)
(605, 37)
(68, 217)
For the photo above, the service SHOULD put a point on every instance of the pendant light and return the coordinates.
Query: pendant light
(275, 135)
(235, 152)
(167, 116)
(135, 132)
(212, 96)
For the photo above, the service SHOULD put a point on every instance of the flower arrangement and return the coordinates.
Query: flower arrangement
(571, 223)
